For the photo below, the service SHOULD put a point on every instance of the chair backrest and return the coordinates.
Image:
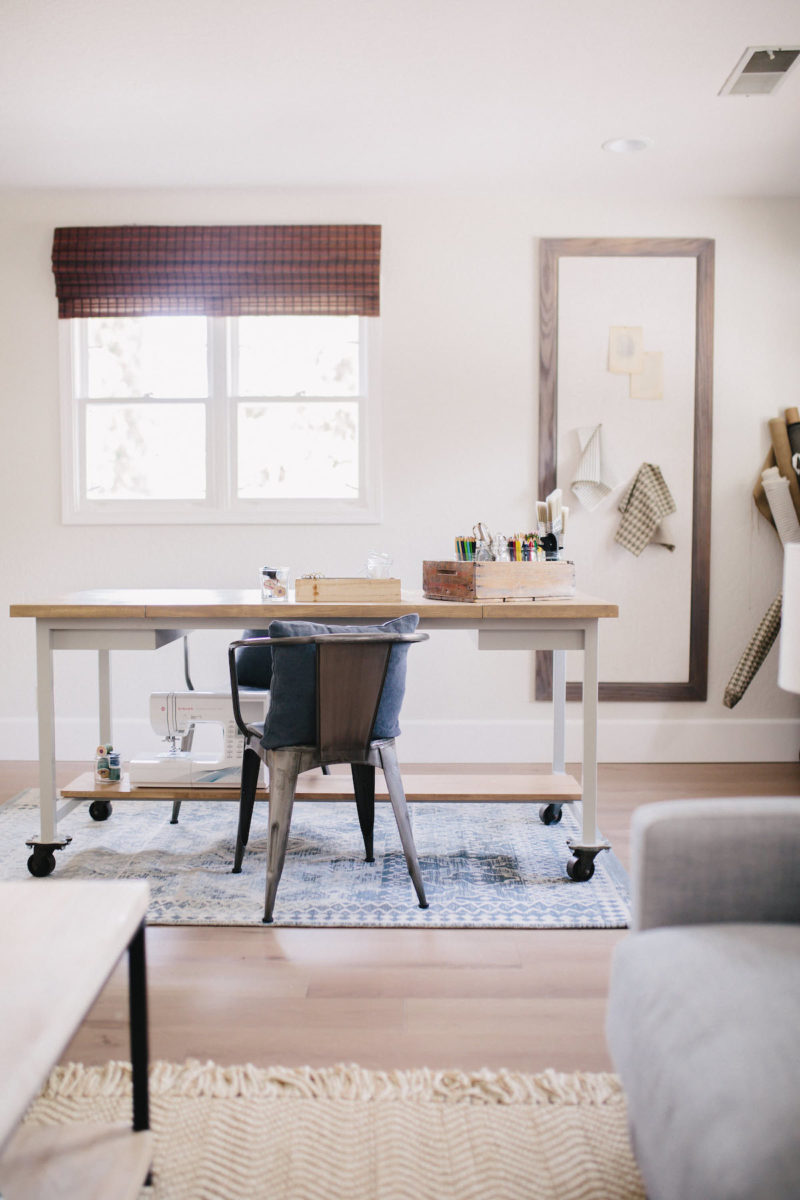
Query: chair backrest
(350, 673)
(350, 679)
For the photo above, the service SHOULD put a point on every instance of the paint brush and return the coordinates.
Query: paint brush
(541, 517)
(553, 503)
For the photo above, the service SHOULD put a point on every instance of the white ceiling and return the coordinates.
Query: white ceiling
(387, 93)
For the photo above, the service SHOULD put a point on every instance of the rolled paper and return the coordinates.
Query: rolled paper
(780, 503)
(754, 654)
(759, 495)
(789, 659)
(793, 430)
(783, 458)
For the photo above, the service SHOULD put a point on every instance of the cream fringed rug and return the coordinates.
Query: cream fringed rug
(247, 1133)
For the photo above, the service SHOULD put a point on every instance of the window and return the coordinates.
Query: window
(219, 373)
(193, 418)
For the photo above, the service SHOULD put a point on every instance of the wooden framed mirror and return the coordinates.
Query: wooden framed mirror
(652, 299)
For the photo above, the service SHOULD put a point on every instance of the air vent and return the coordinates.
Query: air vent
(760, 70)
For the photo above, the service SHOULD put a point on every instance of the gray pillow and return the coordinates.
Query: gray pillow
(292, 716)
(254, 663)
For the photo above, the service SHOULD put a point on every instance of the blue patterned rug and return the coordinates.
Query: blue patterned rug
(484, 866)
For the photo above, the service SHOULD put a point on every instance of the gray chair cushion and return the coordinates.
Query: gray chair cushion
(254, 663)
(292, 716)
(703, 1028)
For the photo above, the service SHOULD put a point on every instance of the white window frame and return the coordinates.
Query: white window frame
(221, 506)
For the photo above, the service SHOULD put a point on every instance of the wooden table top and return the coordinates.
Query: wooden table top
(246, 608)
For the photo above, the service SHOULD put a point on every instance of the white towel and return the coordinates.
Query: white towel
(593, 478)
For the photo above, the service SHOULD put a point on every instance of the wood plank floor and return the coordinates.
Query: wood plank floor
(521, 999)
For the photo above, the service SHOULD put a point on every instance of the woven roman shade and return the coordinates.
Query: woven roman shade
(217, 270)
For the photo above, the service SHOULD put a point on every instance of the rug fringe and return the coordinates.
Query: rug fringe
(345, 1081)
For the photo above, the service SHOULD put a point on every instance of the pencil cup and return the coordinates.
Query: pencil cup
(378, 565)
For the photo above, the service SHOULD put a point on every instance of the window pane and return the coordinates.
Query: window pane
(298, 356)
(296, 451)
(145, 451)
(147, 356)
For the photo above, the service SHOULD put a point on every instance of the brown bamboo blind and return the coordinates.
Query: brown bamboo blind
(217, 270)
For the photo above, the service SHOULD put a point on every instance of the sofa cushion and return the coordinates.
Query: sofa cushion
(292, 716)
(702, 1028)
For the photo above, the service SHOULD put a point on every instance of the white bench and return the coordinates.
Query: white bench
(59, 942)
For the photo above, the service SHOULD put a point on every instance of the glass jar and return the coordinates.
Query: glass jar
(274, 584)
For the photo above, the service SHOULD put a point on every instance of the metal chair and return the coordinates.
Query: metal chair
(255, 675)
(252, 676)
(350, 675)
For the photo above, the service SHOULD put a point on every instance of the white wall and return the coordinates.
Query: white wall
(459, 320)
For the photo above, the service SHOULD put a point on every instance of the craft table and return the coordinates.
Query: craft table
(147, 619)
(58, 946)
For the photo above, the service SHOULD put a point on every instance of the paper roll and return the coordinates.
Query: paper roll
(754, 654)
(793, 430)
(783, 458)
(781, 507)
(759, 495)
(789, 655)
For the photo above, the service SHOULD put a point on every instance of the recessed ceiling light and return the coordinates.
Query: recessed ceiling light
(627, 145)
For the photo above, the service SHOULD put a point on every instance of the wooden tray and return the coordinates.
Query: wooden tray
(345, 589)
(453, 580)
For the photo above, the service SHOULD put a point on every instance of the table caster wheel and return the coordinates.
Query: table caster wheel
(41, 862)
(100, 810)
(580, 867)
(550, 814)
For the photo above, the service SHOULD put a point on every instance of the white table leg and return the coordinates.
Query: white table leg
(104, 694)
(559, 711)
(581, 865)
(48, 834)
(589, 775)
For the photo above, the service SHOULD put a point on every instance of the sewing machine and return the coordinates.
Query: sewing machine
(175, 715)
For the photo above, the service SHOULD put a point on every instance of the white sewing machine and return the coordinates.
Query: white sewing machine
(174, 715)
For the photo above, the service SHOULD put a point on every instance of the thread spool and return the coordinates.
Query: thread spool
(107, 765)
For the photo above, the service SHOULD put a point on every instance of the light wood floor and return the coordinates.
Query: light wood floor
(394, 998)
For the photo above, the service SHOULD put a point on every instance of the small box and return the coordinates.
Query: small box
(454, 580)
(345, 590)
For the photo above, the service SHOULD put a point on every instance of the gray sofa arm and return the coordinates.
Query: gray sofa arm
(699, 862)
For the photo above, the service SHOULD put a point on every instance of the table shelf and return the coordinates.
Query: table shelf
(95, 1162)
(497, 788)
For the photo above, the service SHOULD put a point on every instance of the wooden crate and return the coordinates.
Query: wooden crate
(344, 590)
(453, 580)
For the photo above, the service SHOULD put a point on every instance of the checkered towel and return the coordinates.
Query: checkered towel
(646, 500)
(757, 650)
